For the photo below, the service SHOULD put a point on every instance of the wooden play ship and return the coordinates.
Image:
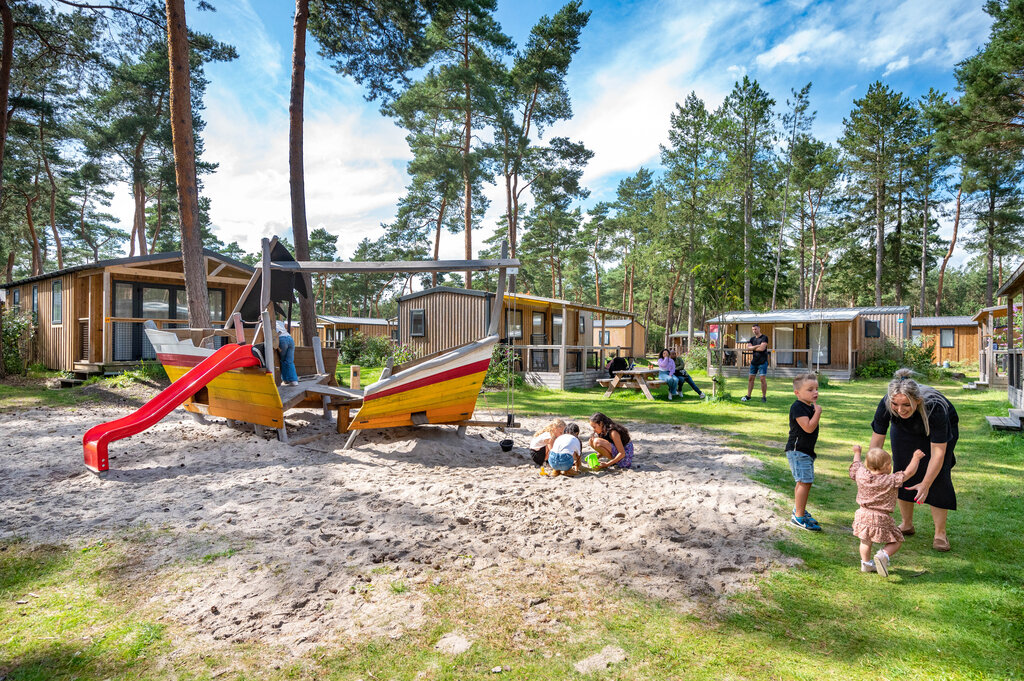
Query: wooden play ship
(243, 384)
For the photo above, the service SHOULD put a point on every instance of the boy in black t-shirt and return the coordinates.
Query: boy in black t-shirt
(804, 416)
(758, 343)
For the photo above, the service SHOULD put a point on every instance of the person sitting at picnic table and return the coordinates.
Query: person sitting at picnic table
(667, 373)
(683, 376)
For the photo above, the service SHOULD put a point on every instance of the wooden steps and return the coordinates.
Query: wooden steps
(1014, 422)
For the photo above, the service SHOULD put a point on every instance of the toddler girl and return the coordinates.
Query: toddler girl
(876, 494)
(542, 439)
(564, 456)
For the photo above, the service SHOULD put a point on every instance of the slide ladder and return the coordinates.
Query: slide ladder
(96, 439)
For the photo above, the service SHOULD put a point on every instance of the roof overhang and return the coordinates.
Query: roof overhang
(780, 316)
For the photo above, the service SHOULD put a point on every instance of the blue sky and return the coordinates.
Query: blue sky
(637, 59)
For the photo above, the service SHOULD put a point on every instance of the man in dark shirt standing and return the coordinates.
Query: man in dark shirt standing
(758, 363)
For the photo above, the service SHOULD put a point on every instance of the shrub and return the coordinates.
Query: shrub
(371, 351)
(17, 336)
(501, 371)
(696, 356)
(891, 355)
(822, 380)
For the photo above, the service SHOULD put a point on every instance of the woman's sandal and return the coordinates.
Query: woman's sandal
(941, 544)
(909, 531)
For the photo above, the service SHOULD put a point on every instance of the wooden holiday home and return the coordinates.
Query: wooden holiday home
(830, 340)
(954, 339)
(335, 329)
(88, 318)
(626, 333)
(680, 340)
(553, 339)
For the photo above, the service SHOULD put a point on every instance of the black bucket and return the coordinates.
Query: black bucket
(506, 445)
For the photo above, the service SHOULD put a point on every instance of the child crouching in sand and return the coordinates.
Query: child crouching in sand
(542, 440)
(876, 494)
(611, 441)
(564, 456)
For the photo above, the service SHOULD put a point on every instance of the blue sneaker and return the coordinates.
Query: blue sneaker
(808, 516)
(805, 523)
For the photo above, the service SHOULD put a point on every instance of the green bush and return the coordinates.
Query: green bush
(371, 351)
(886, 358)
(501, 370)
(823, 380)
(17, 336)
(696, 357)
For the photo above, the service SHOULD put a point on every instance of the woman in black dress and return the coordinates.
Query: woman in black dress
(920, 418)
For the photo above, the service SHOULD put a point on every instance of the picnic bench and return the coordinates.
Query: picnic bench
(633, 379)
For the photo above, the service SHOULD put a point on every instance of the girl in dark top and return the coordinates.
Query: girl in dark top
(920, 418)
(611, 441)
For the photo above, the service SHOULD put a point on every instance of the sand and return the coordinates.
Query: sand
(248, 539)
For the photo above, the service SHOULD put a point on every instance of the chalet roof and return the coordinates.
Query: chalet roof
(829, 314)
(683, 334)
(332, 319)
(1013, 283)
(518, 297)
(943, 321)
(135, 260)
(996, 310)
(613, 323)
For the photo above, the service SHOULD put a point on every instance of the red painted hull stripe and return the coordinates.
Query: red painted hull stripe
(457, 372)
(172, 359)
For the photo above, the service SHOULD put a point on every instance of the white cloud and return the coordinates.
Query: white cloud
(898, 65)
(800, 47)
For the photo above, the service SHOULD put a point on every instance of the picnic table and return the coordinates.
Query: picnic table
(635, 379)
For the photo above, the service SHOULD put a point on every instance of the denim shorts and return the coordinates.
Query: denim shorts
(561, 461)
(802, 466)
(759, 369)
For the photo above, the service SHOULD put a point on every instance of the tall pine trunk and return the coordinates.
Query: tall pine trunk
(879, 237)
(990, 238)
(898, 241)
(949, 253)
(467, 174)
(437, 236)
(6, 63)
(184, 143)
(924, 254)
(307, 317)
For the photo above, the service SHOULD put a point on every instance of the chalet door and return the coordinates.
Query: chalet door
(819, 338)
(783, 342)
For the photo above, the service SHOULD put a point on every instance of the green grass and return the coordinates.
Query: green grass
(367, 376)
(22, 397)
(939, 616)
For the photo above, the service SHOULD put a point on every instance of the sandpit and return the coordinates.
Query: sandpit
(265, 541)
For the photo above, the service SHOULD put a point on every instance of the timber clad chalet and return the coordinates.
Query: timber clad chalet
(829, 340)
(88, 318)
(955, 339)
(553, 340)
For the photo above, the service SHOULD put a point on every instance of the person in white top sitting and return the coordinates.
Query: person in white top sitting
(286, 351)
(566, 452)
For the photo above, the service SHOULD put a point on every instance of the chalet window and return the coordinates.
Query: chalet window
(538, 323)
(606, 338)
(514, 324)
(583, 324)
(915, 334)
(216, 299)
(556, 329)
(872, 329)
(16, 300)
(35, 304)
(394, 334)
(946, 338)
(417, 323)
(57, 300)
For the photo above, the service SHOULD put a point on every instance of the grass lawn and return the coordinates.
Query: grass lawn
(938, 616)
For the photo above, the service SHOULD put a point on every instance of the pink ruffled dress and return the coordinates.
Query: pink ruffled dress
(876, 494)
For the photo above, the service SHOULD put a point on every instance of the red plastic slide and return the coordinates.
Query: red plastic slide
(96, 439)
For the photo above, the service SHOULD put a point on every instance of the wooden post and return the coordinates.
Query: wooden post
(1009, 324)
(849, 346)
(269, 336)
(107, 353)
(353, 376)
(499, 297)
(561, 350)
(236, 319)
(343, 418)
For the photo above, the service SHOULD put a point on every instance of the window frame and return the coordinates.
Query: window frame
(877, 328)
(510, 324)
(16, 299)
(583, 323)
(421, 313)
(35, 303)
(57, 303)
(952, 338)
